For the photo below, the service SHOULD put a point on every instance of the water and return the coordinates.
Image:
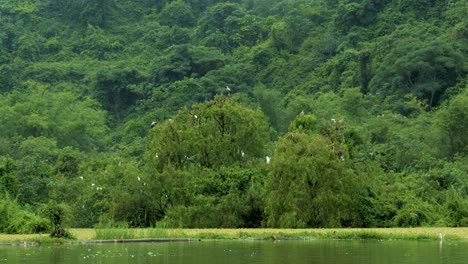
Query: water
(206, 252)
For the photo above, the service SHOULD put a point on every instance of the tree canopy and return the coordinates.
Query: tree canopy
(241, 113)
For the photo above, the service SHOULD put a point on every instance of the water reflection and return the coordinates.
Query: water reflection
(318, 251)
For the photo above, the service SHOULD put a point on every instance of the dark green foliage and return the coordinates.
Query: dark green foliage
(56, 214)
(423, 69)
(118, 89)
(119, 112)
(177, 13)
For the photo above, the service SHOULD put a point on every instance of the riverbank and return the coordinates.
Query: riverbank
(82, 235)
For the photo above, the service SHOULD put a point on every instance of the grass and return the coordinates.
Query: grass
(422, 233)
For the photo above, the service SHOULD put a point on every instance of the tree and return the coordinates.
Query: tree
(216, 133)
(56, 214)
(425, 70)
(204, 157)
(177, 13)
(183, 61)
(309, 184)
(453, 121)
(117, 89)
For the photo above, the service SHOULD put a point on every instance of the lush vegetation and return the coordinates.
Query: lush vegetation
(265, 113)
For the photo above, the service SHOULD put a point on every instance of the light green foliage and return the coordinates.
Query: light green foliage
(212, 134)
(204, 154)
(39, 112)
(453, 121)
(309, 183)
(17, 220)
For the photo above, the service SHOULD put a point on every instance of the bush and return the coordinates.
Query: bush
(15, 220)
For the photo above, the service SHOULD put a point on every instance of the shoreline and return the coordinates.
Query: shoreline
(134, 235)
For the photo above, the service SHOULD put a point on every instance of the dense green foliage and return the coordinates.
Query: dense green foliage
(267, 113)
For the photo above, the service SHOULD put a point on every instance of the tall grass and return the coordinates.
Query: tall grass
(129, 233)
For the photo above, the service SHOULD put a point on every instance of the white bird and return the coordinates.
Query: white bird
(196, 117)
(153, 123)
(92, 184)
(267, 159)
(441, 236)
(138, 178)
(333, 120)
(242, 153)
(302, 112)
(81, 177)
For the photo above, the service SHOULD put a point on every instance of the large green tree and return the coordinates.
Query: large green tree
(310, 183)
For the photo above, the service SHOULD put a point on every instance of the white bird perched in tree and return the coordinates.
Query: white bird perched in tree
(138, 178)
(153, 124)
(333, 120)
(267, 159)
(302, 112)
(228, 90)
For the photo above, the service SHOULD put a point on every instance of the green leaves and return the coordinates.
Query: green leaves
(453, 121)
(423, 69)
(308, 183)
(82, 80)
(216, 133)
(177, 13)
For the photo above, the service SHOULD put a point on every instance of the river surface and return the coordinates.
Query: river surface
(207, 252)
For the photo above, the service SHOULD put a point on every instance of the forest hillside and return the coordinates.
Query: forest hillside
(242, 113)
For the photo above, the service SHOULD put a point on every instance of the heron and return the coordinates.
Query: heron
(228, 90)
(153, 124)
(267, 159)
